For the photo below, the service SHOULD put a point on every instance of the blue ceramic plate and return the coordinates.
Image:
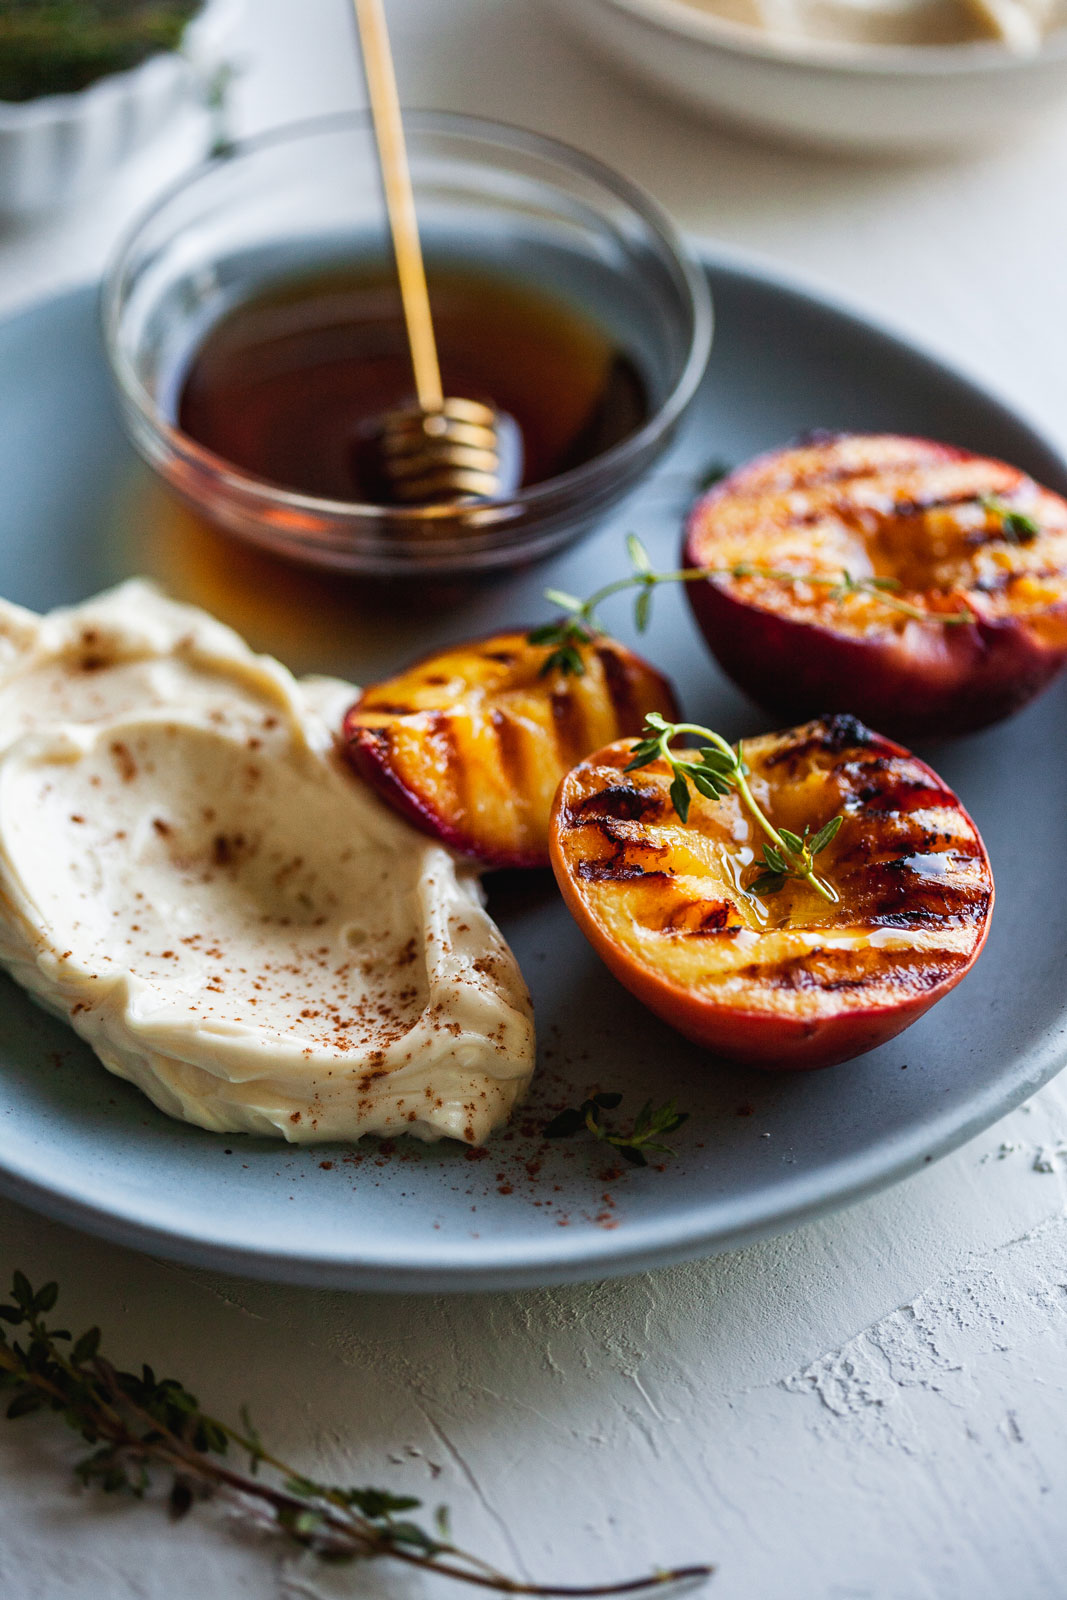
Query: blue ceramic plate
(760, 1152)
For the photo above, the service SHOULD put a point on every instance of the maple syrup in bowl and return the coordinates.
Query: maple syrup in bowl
(254, 328)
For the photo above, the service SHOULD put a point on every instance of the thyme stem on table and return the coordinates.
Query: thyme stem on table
(136, 1422)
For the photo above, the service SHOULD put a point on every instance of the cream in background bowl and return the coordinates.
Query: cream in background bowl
(875, 75)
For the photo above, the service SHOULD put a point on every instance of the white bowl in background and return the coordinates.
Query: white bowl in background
(882, 97)
(58, 149)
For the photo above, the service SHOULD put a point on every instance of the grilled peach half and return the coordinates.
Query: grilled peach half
(470, 744)
(956, 613)
(790, 979)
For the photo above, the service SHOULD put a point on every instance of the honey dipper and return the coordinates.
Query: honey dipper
(437, 448)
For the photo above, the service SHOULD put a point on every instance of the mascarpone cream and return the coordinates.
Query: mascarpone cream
(191, 876)
(1022, 25)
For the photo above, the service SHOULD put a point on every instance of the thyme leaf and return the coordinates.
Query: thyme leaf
(1018, 527)
(767, 883)
(826, 835)
(138, 1425)
(566, 638)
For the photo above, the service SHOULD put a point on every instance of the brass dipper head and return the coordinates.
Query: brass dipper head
(465, 450)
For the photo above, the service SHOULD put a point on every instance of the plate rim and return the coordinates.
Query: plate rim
(474, 1266)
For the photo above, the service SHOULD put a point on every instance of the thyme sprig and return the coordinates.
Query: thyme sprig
(650, 1127)
(713, 770)
(581, 623)
(136, 1422)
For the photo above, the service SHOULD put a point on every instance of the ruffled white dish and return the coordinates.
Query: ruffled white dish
(63, 148)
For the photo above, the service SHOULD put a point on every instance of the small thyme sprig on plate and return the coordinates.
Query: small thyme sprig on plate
(713, 770)
(580, 622)
(1018, 527)
(713, 473)
(651, 1126)
(136, 1422)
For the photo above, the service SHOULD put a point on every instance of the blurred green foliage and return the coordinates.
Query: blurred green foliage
(60, 46)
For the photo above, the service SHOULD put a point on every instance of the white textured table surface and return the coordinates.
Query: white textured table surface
(872, 1408)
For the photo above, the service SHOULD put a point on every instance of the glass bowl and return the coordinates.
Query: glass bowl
(489, 196)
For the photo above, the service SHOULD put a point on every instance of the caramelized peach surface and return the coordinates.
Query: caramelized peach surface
(958, 536)
(471, 744)
(787, 980)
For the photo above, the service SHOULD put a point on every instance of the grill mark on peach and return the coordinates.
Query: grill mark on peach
(847, 505)
(620, 802)
(885, 775)
(617, 868)
(879, 847)
(817, 471)
(919, 504)
(964, 846)
(832, 971)
(889, 886)
(658, 903)
(625, 836)
(812, 477)
(926, 976)
(906, 794)
(624, 845)
(901, 830)
(701, 919)
(509, 748)
(387, 708)
(1042, 575)
(569, 725)
(870, 861)
(619, 683)
(380, 738)
(442, 735)
(921, 917)
(928, 917)
(833, 735)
